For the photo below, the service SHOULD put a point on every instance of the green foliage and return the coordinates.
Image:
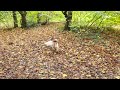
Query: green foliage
(31, 18)
(98, 18)
(57, 16)
(80, 18)
(44, 17)
(75, 28)
(6, 19)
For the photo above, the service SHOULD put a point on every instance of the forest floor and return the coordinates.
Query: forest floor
(83, 56)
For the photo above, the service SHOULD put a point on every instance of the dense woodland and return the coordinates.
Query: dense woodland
(59, 44)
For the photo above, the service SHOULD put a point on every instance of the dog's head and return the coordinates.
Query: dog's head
(55, 40)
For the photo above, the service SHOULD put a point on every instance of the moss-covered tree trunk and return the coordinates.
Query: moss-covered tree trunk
(68, 16)
(23, 19)
(15, 19)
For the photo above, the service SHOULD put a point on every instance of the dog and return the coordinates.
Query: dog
(52, 44)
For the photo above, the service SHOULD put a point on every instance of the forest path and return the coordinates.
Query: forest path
(22, 55)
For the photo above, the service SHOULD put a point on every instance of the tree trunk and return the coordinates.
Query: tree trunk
(23, 19)
(38, 18)
(68, 16)
(15, 19)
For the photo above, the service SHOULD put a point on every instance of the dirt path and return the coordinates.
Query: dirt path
(22, 55)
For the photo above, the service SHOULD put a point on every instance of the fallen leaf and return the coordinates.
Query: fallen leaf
(64, 75)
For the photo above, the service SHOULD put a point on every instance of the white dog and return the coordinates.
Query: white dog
(53, 44)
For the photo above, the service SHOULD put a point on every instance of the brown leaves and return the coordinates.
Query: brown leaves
(64, 75)
(23, 56)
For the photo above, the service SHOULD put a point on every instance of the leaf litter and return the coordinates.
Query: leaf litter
(23, 56)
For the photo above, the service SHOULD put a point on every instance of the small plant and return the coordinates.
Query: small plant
(75, 29)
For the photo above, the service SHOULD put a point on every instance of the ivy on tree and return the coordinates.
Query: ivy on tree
(68, 16)
(23, 19)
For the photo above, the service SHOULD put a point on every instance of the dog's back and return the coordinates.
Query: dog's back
(52, 44)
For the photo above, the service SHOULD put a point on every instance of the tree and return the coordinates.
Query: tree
(38, 17)
(68, 16)
(23, 19)
(15, 19)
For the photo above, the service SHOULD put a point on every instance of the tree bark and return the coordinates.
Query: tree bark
(23, 19)
(68, 16)
(15, 19)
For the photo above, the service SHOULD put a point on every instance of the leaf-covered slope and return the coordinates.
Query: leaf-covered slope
(22, 55)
